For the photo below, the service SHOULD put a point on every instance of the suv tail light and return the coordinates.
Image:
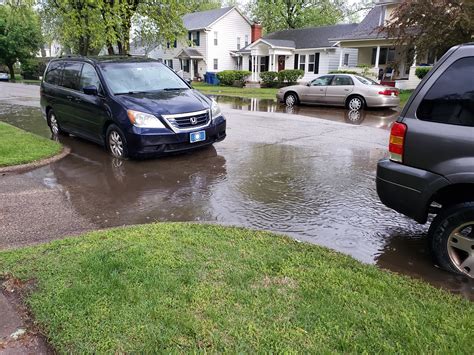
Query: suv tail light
(397, 141)
(388, 92)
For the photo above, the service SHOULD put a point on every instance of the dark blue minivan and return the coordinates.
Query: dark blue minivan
(134, 106)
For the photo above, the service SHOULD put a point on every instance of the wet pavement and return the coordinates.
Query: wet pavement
(309, 178)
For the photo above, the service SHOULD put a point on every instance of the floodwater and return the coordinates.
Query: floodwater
(379, 118)
(278, 187)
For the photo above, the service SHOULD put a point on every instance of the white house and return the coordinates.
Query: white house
(213, 37)
(309, 49)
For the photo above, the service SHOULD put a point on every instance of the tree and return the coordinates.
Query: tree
(20, 35)
(278, 15)
(431, 25)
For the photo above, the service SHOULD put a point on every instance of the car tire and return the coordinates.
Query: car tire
(115, 142)
(452, 238)
(53, 124)
(355, 103)
(291, 99)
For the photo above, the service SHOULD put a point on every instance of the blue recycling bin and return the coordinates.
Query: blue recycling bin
(211, 78)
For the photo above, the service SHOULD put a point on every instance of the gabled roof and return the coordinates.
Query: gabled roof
(367, 29)
(280, 42)
(312, 37)
(190, 53)
(203, 19)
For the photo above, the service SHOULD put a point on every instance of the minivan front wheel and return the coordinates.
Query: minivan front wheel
(116, 143)
(452, 238)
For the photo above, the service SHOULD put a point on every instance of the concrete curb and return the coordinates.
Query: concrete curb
(36, 164)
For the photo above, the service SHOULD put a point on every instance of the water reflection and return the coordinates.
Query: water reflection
(380, 118)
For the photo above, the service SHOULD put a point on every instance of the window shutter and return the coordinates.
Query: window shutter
(190, 36)
(175, 44)
(316, 63)
(296, 61)
(198, 38)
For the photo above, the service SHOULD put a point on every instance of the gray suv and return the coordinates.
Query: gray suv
(431, 164)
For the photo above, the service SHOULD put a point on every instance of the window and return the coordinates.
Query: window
(238, 43)
(89, 77)
(216, 64)
(168, 45)
(246, 40)
(71, 74)
(387, 55)
(216, 38)
(303, 62)
(311, 63)
(185, 65)
(53, 76)
(342, 80)
(194, 37)
(451, 98)
(322, 80)
(346, 59)
(169, 62)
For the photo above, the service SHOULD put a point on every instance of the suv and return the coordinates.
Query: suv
(431, 165)
(134, 106)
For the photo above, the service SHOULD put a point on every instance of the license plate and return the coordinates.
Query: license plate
(197, 136)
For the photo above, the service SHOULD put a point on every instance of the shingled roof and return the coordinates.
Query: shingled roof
(199, 20)
(367, 29)
(312, 37)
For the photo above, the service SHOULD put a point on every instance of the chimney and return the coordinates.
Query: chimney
(256, 31)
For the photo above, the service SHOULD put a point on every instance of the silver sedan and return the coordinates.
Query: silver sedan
(353, 91)
(4, 76)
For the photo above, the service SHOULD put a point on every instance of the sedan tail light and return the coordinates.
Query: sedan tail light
(397, 142)
(388, 92)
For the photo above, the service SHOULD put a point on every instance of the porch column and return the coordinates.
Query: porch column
(258, 68)
(414, 58)
(377, 58)
(341, 55)
(253, 68)
(191, 69)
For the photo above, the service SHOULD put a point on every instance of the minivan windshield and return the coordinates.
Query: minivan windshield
(129, 78)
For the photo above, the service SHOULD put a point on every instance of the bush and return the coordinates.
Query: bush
(344, 72)
(269, 78)
(290, 76)
(420, 72)
(233, 77)
(33, 68)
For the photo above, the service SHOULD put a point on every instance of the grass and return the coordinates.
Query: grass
(259, 93)
(20, 147)
(404, 96)
(188, 287)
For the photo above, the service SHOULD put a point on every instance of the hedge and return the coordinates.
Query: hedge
(32, 69)
(269, 78)
(344, 72)
(233, 77)
(290, 76)
(421, 72)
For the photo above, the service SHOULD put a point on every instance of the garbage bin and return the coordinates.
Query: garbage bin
(211, 78)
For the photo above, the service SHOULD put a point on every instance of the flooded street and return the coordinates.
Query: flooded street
(313, 187)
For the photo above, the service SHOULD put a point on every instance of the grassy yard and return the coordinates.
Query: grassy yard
(404, 96)
(188, 287)
(262, 93)
(20, 147)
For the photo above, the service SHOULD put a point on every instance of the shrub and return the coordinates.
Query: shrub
(344, 72)
(420, 72)
(233, 77)
(365, 70)
(32, 69)
(269, 78)
(290, 76)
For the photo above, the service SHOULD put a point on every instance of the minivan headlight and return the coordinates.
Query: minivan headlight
(144, 120)
(215, 110)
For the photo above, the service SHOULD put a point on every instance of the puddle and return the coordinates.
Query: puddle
(315, 195)
(380, 118)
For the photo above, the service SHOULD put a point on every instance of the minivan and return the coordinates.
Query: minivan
(134, 106)
(431, 164)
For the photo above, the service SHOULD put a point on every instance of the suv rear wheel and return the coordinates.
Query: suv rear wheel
(452, 238)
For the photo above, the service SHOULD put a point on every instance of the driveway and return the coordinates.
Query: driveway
(310, 178)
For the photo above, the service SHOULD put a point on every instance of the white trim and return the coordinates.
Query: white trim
(258, 41)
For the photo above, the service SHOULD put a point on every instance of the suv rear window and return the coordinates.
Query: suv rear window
(451, 98)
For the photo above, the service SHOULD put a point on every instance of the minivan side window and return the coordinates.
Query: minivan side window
(71, 73)
(53, 75)
(451, 98)
(89, 77)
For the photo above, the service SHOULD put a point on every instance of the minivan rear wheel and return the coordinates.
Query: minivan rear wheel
(54, 124)
(116, 143)
(452, 238)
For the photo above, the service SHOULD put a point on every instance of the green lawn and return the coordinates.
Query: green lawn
(404, 96)
(20, 147)
(189, 287)
(261, 93)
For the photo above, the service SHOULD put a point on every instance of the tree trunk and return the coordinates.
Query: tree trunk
(110, 49)
(11, 69)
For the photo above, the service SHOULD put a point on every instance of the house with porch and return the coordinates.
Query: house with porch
(391, 64)
(213, 37)
(309, 49)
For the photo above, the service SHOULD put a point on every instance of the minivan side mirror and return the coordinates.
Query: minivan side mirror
(90, 90)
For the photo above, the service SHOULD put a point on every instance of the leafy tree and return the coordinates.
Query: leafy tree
(278, 15)
(432, 24)
(20, 35)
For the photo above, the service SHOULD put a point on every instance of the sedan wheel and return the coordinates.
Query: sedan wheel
(291, 100)
(116, 145)
(355, 103)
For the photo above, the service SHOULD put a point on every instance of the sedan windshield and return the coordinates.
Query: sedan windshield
(125, 78)
(365, 80)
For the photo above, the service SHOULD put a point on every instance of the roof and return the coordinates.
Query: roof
(367, 29)
(190, 53)
(203, 19)
(280, 42)
(312, 37)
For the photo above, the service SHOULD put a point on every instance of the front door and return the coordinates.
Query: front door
(281, 62)
(195, 68)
